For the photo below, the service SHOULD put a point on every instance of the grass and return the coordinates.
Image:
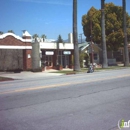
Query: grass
(68, 72)
(83, 70)
(111, 68)
(63, 71)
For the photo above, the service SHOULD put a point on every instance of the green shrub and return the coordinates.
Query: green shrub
(81, 58)
(37, 70)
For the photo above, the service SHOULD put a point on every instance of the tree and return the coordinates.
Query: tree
(35, 36)
(43, 37)
(1, 32)
(126, 52)
(59, 40)
(104, 52)
(11, 31)
(113, 25)
(75, 38)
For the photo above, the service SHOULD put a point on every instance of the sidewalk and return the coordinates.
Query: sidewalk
(29, 74)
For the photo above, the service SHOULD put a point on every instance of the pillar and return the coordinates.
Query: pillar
(36, 60)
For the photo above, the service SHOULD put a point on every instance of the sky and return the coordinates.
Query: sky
(49, 17)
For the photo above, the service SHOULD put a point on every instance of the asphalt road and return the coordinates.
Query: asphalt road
(94, 101)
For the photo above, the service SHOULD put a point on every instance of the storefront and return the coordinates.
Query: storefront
(49, 55)
(47, 58)
(51, 58)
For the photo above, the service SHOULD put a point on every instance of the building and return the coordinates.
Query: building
(15, 51)
(114, 57)
(88, 49)
(26, 53)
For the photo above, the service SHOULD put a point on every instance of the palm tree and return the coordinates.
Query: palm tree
(43, 37)
(126, 52)
(35, 36)
(75, 38)
(10, 31)
(104, 51)
(1, 32)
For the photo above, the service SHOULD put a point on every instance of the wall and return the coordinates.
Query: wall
(11, 59)
(14, 52)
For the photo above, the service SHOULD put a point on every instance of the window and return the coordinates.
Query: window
(95, 56)
(47, 60)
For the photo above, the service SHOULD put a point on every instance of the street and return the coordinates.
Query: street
(86, 101)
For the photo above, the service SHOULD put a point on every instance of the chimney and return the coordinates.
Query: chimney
(70, 37)
(26, 35)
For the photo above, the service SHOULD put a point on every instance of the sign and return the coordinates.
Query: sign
(29, 56)
(67, 52)
(122, 124)
(49, 53)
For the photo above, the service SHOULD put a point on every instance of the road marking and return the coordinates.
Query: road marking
(60, 85)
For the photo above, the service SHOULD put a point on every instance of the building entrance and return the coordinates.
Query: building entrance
(65, 61)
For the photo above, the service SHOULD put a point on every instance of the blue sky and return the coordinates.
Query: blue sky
(49, 17)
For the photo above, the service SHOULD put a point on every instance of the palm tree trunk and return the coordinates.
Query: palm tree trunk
(126, 52)
(104, 51)
(75, 38)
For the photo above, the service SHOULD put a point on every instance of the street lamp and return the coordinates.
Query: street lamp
(92, 57)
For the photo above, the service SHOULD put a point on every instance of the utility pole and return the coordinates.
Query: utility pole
(91, 41)
(75, 38)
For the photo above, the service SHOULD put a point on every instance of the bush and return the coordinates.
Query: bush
(81, 58)
(87, 60)
(37, 70)
(18, 70)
